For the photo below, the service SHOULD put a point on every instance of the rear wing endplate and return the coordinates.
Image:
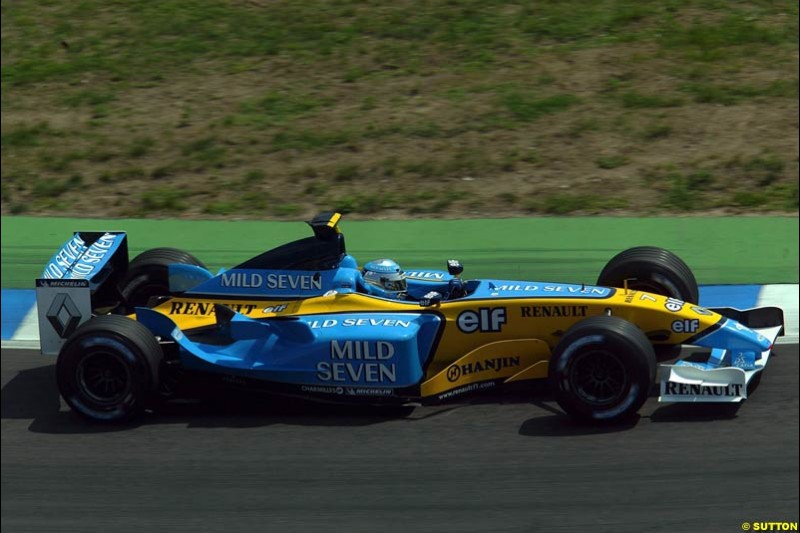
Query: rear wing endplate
(80, 277)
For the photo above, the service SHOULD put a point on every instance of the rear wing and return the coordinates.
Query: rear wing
(80, 278)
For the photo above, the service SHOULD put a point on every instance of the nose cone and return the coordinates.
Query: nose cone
(740, 337)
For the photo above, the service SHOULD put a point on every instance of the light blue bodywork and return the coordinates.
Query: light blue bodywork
(743, 347)
(387, 350)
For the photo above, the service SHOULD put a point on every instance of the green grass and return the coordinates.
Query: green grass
(636, 100)
(760, 170)
(221, 208)
(253, 177)
(527, 106)
(59, 163)
(699, 180)
(547, 21)
(362, 203)
(89, 97)
(428, 168)
(255, 202)
(18, 208)
(164, 199)
(705, 40)
(286, 210)
(205, 152)
(140, 147)
(749, 199)
(163, 171)
(426, 129)
(784, 196)
(308, 139)
(25, 135)
(564, 204)
(200, 146)
(315, 188)
(100, 155)
(679, 195)
(768, 163)
(508, 197)
(656, 131)
(273, 108)
(347, 172)
(427, 201)
(611, 161)
(130, 173)
(49, 188)
(585, 125)
(709, 93)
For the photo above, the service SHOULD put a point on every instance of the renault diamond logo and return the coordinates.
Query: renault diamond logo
(63, 315)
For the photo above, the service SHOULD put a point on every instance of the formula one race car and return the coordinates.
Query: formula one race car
(305, 319)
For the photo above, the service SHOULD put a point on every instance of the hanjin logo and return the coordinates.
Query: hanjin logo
(453, 373)
(496, 364)
(63, 315)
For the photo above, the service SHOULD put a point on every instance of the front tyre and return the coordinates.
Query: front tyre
(651, 269)
(602, 369)
(108, 370)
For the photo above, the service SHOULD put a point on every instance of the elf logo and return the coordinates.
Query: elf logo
(686, 326)
(485, 320)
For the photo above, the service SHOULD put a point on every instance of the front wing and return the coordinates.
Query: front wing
(723, 378)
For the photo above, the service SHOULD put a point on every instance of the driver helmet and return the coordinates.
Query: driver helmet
(386, 276)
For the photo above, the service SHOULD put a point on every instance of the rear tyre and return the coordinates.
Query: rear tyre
(148, 275)
(653, 270)
(108, 370)
(602, 369)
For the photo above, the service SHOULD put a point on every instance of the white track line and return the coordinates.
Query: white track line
(787, 298)
(29, 344)
(29, 327)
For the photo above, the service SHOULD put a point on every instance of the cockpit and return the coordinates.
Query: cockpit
(324, 260)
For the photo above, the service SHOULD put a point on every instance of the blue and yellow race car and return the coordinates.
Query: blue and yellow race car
(306, 319)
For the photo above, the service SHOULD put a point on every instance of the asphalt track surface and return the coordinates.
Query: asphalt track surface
(493, 464)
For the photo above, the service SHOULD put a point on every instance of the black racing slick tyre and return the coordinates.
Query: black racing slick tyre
(148, 275)
(108, 370)
(602, 369)
(651, 269)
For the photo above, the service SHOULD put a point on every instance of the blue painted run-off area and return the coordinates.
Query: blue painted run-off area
(736, 296)
(16, 303)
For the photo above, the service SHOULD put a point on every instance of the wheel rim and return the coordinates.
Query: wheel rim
(598, 378)
(104, 378)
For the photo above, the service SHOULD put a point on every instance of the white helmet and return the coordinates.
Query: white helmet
(385, 276)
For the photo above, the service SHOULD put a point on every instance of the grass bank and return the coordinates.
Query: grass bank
(212, 109)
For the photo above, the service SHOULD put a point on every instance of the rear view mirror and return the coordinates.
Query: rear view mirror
(454, 267)
(431, 299)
